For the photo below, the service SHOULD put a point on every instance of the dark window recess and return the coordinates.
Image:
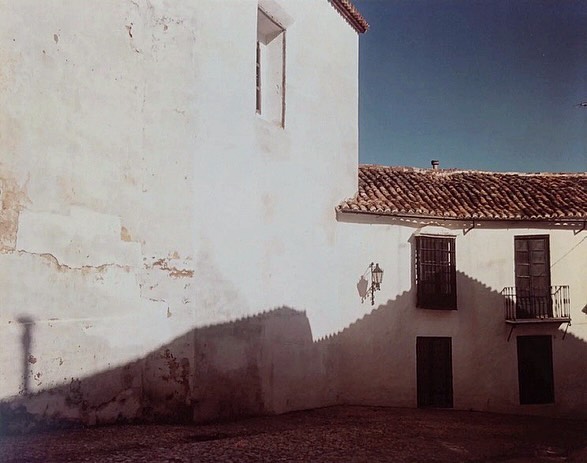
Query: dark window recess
(532, 258)
(436, 272)
(434, 372)
(535, 375)
(258, 78)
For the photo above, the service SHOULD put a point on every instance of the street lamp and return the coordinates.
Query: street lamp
(376, 276)
(365, 289)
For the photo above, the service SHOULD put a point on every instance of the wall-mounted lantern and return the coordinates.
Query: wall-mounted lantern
(376, 276)
(365, 289)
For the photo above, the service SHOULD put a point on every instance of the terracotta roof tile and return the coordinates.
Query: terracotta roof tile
(350, 13)
(459, 194)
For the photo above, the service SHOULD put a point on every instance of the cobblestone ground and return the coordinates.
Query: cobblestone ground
(337, 434)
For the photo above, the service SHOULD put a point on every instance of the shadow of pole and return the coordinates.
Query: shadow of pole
(27, 327)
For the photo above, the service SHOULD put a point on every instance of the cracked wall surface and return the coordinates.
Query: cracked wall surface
(142, 199)
(85, 207)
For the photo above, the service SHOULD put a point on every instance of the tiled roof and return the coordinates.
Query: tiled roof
(351, 14)
(458, 194)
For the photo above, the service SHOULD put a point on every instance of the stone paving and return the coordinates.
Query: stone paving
(336, 434)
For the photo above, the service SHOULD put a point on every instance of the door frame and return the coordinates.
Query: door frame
(530, 374)
(434, 382)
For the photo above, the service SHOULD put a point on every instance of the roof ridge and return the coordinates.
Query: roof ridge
(458, 170)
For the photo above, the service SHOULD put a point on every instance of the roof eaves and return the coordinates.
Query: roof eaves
(345, 209)
(350, 13)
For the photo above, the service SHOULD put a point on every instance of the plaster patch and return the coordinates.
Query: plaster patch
(124, 234)
(12, 200)
(82, 239)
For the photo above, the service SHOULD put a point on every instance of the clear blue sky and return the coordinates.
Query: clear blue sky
(487, 85)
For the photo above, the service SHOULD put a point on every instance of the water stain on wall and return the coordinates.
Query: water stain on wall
(124, 234)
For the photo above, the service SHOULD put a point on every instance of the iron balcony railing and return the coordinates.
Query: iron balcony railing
(549, 304)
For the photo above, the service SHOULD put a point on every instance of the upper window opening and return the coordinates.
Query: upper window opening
(436, 272)
(532, 268)
(270, 69)
(267, 28)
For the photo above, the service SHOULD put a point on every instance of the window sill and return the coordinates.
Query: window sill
(269, 122)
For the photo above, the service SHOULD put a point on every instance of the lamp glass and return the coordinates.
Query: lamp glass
(377, 274)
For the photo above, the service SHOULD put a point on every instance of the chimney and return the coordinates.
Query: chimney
(435, 163)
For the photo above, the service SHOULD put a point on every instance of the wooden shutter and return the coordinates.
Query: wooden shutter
(532, 266)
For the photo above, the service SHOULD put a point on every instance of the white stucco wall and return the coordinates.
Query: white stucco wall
(265, 213)
(144, 201)
(165, 251)
(379, 353)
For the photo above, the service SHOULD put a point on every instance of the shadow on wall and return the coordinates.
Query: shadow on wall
(27, 324)
(262, 364)
(268, 364)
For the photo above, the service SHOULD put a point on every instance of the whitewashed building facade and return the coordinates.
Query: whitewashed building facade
(488, 279)
(150, 162)
(173, 243)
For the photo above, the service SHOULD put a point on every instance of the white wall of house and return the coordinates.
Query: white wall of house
(379, 349)
(264, 210)
(143, 199)
(165, 250)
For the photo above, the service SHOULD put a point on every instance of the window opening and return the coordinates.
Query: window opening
(532, 265)
(258, 78)
(270, 69)
(436, 272)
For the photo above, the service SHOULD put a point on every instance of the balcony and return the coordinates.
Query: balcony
(523, 307)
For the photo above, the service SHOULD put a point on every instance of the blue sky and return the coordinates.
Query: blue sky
(487, 85)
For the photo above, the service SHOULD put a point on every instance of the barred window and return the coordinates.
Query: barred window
(436, 272)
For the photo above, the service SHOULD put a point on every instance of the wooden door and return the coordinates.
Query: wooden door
(532, 264)
(434, 372)
(535, 373)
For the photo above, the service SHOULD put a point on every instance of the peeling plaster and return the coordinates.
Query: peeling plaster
(12, 200)
(124, 234)
(174, 272)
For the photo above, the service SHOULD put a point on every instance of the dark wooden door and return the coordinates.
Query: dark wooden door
(532, 263)
(535, 375)
(434, 372)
